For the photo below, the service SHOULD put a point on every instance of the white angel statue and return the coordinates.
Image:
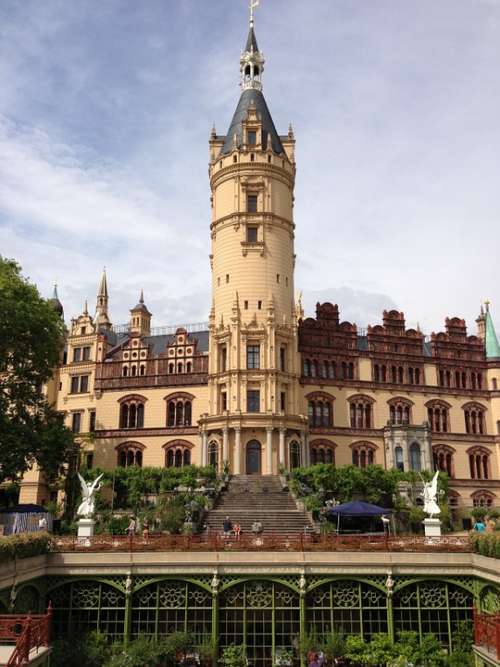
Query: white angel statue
(87, 506)
(429, 495)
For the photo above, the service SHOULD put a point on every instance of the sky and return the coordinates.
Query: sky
(106, 107)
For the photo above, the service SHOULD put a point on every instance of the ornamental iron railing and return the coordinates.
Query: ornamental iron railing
(27, 632)
(216, 541)
(487, 632)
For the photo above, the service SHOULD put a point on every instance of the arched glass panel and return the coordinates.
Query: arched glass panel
(415, 457)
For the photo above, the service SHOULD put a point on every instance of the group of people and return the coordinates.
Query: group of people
(134, 527)
(486, 525)
(229, 529)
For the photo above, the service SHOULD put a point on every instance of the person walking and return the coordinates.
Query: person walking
(227, 527)
(479, 526)
(131, 527)
(237, 531)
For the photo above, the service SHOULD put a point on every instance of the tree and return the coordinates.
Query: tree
(31, 339)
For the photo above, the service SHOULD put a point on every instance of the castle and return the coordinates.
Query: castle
(261, 387)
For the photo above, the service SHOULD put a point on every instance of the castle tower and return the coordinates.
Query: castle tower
(254, 363)
(140, 318)
(101, 318)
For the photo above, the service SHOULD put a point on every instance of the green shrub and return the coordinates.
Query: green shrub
(24, 545)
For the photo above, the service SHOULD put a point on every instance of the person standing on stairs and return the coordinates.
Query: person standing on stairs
(227, 527)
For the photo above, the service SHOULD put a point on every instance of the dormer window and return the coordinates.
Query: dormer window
(252, 137)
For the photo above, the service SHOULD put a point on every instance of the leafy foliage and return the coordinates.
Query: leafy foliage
(24, 545)
(486, 544)
(31, 339)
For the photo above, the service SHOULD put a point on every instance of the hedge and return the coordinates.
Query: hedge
(24, 546)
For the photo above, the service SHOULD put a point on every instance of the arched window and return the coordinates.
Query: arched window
(443, 459)
(483, 499)
(474, 414)
(360, 410)
(320, 410)
(177, 454)
(171, 367)
(415, 457)
(213, 454)
(125, 371)
(132, 411)
(295, 458)
(363, 454)
(438, 415)
(179, 410)
(399, 460)
(400, 411)
(142, 369)
(130, 454)
(322, 451)
(479, 463)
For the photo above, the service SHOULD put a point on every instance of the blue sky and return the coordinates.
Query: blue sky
(105, 114)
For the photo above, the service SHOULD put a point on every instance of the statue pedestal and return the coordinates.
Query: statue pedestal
(85, 530)
(432, 527)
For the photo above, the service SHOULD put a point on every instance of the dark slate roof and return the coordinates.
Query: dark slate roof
(251, 41)
(268, 130)
(362, 343)
(158, 344)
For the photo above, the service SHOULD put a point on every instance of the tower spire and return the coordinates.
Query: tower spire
(101, 319)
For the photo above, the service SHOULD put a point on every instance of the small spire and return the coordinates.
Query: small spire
(213, 133)
(85, 308)
(55, 294)
(103, 287)
(141, 300)
(291, 134)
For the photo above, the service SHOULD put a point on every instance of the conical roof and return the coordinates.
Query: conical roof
(56, 304)
(251, 44)
(252, 98)
(491, 340)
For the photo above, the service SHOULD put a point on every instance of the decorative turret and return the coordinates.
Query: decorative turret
(56, 304)
(251, 61)
(481, 325)
(101, 318)
(140, 318)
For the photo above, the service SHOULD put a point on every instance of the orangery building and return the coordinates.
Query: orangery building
(260, 385)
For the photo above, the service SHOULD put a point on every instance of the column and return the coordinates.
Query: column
(304, 458)
(282, 447)
(225, 445)
(237, 451)
(204, 448)
(269, 450)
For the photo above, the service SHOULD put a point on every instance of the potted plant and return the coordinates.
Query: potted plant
(284, 657)
(234, 656)
(207, 650)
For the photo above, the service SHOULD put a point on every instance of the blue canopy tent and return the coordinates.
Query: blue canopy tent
(24, 518)
(357, 508)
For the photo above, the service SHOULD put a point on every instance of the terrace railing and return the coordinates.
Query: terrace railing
(487, 632)
(27, 633)
(216, 541)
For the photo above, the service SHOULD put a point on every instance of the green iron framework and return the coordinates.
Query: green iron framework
(264, 614)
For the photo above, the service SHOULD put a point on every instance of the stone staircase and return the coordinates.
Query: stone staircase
(252, 498)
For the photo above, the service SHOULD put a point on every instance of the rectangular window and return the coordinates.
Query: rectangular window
(253, 356)
(223, 358)
(76, 421)
(86, 353)
(223, 400)
(74, 384)
(252, 233)
(246, 305)
(253, 400)
(282, 358)
(259, 305)
(77, 353)
(92, 421)
(252, 137)
(89, 461)
(283, 401)
(84, 384)
(252, 203)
